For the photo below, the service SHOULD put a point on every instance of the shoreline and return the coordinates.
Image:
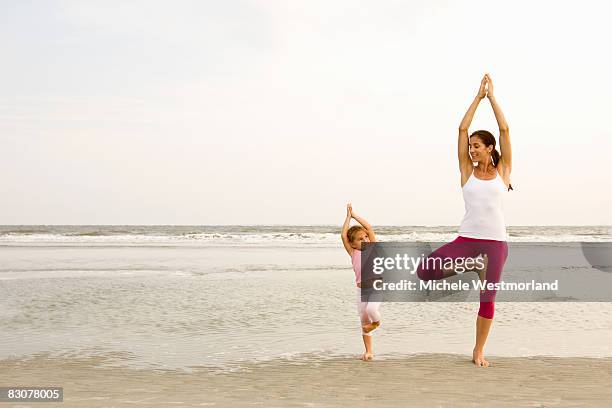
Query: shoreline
(418, 380)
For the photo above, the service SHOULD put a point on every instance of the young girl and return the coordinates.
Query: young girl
(368, 311)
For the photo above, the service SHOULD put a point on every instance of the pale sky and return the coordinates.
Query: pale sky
(280, 112)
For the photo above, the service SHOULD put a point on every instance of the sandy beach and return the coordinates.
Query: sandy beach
(429, 380)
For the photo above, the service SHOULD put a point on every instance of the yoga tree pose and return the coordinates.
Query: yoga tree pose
(367, 306)
(482, 230)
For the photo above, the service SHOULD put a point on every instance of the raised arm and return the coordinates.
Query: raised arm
(366, 226)
(505, 160)
(345, 228)
(465, 161)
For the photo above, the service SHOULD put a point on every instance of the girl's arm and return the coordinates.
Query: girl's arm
(366, 225)
(505, 160)
(465, 161)
(345, 229)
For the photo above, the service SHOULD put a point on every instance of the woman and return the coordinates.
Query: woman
(482, 230)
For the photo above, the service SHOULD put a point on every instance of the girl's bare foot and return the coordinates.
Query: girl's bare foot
(370, 326)
(478, 359)
(367, 356)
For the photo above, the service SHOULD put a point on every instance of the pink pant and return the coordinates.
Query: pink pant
(368, 312)
(462, 247)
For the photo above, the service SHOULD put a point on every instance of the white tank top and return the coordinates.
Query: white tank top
(484, 218)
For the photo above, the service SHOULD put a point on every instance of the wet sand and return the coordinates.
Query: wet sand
(428, 380)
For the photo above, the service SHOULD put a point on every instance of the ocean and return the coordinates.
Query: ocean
(226, 297)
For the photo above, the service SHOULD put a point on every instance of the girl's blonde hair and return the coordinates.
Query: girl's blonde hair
(353, 231)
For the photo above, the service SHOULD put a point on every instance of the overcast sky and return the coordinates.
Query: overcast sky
(279, 112)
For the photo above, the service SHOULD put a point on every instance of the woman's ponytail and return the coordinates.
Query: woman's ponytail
(495, 157)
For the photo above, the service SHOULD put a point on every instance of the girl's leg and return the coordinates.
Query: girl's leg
(369, 352)
(373, 314)
(365, 321)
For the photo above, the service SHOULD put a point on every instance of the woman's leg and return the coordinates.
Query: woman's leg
(432, 267)
(496, 253)
(483, 326)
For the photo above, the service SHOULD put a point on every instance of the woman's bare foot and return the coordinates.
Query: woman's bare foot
(370, 327)
(367, 356)
(478, 359)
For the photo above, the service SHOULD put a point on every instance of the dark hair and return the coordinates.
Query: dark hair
(353, 231)
(489, 140)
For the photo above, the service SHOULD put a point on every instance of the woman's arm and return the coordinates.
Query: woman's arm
(504, 132)
(345, 228)
(366, 225)
(465, 161)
